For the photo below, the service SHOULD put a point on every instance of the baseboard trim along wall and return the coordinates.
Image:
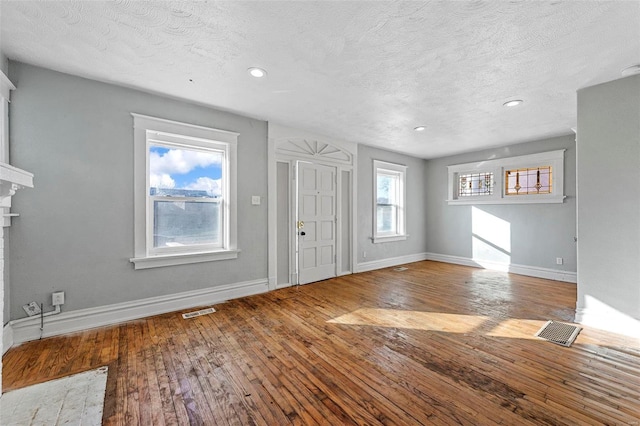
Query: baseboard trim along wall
(389, 262)
(531, 271)
(83, 319)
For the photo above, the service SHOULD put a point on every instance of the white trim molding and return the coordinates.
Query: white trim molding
(290, 145)
(397, 172)
(530, 271)
(7, 338)
(6, 86)
(151, 130)
(497, 168)
(83, 319)
(389, 262)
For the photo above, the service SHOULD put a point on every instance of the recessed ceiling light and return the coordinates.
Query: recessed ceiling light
(257, 72)
(420, 129)
(512, 103)
(633, 69)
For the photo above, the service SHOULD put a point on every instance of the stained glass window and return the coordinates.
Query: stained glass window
(529, 181)
(472, 184)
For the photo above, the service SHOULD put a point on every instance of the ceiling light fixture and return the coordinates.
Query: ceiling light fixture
(257, 72)
(420, 129)
(512, 103)
(633, 69)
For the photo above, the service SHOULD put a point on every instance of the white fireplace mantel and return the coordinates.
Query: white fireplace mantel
(11, 179)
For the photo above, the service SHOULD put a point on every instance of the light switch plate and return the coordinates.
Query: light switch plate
(255, 200)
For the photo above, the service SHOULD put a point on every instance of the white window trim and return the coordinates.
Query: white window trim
(401, 235)
(555, 159)
(200, 136)
(5, 96)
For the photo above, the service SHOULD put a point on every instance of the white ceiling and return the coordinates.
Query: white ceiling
(367, 72)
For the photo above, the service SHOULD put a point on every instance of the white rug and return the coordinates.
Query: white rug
(73, 400)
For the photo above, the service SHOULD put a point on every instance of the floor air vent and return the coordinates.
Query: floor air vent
(559, 333)
(400, 269)
(198, 313)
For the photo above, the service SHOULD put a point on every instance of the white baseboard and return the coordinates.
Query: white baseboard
(392, 261)
(83, 319)
(609, 320)
(531, 271)
(7, 338)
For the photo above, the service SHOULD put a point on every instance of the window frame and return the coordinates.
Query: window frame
(401, 215)
(5, 96)
(161, 132)
(498, 167)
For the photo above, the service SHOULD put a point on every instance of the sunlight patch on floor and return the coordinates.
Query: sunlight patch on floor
(417, 320)
(515, 328)
(438, 321)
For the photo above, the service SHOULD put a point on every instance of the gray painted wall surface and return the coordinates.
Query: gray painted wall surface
(75, 231)
(539, 233)
(415, 205)
(4, 67)
(609, 207)
(7, 287)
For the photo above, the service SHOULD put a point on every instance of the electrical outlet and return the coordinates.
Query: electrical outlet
(57, 298)
(364, 254)
(32, 308)
(559, 261)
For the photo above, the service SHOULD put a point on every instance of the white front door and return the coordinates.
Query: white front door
(316, 222)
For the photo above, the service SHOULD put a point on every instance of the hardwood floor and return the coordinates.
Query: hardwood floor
(436, 344)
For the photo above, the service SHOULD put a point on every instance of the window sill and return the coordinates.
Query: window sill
(390, 238)
(514, 199)
(182, 259)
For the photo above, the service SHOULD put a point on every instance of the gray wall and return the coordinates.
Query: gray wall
(539, 232)
(75, 230)
(4, 67)
(7, 285)
(415, 205)
(609, 207)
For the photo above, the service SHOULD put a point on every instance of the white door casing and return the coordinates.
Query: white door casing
(289, 146)
(315, 222)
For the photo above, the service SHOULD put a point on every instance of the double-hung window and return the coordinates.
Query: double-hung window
(389, 218)
(185, 209)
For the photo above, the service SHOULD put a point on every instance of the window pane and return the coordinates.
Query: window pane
(387, 192)
(182, 172)
(387, 202)
(528, 181)
(386, 221)
(473, 184)
(179, 223)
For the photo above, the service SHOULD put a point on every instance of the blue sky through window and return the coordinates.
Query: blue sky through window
(180, 168)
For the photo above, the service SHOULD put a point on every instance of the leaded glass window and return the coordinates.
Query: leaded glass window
(528, 181)
(473, 184)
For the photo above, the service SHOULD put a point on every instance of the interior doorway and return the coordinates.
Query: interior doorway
(311, 207)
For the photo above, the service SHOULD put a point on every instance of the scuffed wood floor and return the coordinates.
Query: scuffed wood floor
(436, 344)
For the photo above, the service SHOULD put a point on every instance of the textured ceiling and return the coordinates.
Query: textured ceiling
(367, 72)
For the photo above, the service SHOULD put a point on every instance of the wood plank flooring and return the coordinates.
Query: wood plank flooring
(437, 344)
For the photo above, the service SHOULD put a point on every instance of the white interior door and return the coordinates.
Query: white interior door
(316, 222)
